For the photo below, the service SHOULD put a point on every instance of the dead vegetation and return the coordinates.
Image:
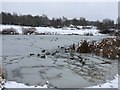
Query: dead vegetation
(10, 31)
(27, 31)
(3, 73)
(107, 48)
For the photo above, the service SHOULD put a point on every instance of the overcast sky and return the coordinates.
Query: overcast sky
(89, 10)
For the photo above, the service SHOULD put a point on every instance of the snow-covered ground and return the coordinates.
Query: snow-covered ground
(52, 30)
(13, 84)
(109, 84)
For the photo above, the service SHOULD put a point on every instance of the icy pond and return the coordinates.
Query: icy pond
(59, 70)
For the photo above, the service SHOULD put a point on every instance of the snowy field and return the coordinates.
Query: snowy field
(52, 30)
(26, 69)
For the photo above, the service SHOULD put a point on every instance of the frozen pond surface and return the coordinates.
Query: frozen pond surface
(59, 70)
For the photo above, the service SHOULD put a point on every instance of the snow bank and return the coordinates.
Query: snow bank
(52, 30)
(18, 28)
(108, 84)
(12, 84)
(67, 31)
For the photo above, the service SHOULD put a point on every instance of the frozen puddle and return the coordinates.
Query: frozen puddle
(59, 70)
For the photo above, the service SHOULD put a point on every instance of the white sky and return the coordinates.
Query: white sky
(73, 9)
(59, 0)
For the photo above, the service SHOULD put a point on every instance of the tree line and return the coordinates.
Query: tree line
(44, 21)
